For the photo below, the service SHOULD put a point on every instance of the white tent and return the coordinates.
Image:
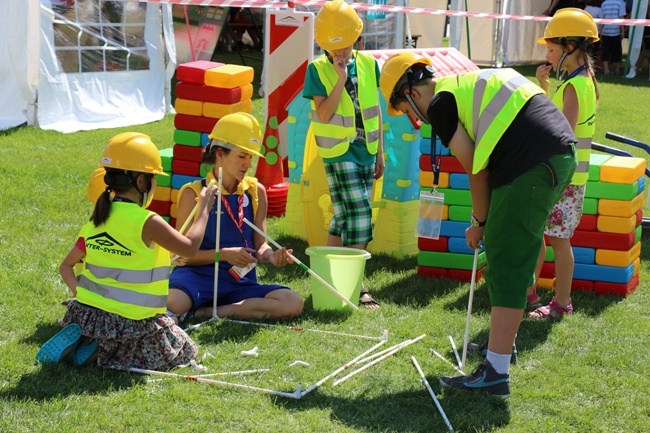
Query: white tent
(73, 65)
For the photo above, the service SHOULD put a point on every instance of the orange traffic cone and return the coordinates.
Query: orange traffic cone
(269, 171)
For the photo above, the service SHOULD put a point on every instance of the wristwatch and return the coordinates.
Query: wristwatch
(475, 222)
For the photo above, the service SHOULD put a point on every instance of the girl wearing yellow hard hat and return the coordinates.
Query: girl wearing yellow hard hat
(118, 317)
(346, 120)
(235, 139)
(568, 38)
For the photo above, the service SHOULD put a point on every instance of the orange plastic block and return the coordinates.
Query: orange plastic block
(186, 106)
(620, 225)
(620, 208)
(546, 283)
(622, 259)
(622, 169)
(229, 76)
(162, 193)
(426, 179)
(174, 195)
(217, 111)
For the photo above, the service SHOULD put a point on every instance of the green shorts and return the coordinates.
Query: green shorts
(515, 229)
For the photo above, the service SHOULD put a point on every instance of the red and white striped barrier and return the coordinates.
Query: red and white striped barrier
(383, 8)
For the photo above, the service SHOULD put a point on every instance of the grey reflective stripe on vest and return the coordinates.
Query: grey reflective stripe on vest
(122, 295)
(372, 135)
(583, 143)
(496, 104)
(336, 120)
(370, 112)
(130, 276)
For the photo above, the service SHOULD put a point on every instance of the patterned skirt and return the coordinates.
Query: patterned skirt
(155, 343)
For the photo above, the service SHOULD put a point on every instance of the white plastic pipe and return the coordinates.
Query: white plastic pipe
(455, 349)
(447, 361)
(433, 395)
(216, 244)
(469, 309)
(305, 267)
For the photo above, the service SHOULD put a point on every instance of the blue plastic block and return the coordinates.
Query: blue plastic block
(608, 274)
(459, 181)
(584, 255)
(459, 245)
(453, 228)
(178, 180)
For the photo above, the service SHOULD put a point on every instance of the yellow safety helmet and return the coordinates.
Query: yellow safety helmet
(96, 185)
(337, 26)
(394, 76)
(570, 23)
(132, 151)
(238, 129)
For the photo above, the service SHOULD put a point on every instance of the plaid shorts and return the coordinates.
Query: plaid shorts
(350, 188)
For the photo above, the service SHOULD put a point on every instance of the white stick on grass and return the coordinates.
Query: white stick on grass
(376, 361)
(216, 245)
(295, 395)
(455, 349)
(433, 395)
(469, 309)
(305, 267)
(383, 352)
(234, 373)
(447, 361)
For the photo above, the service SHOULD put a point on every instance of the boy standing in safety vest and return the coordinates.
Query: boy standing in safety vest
(346, 120)
(518, 151)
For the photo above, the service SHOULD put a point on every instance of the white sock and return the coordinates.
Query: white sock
(500, 363)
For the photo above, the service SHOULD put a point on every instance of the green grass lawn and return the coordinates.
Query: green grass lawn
(586, 373)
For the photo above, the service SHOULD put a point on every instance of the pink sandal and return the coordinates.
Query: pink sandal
(532, 301)
(551, 311)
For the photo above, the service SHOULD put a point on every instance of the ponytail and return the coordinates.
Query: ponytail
(102, 208)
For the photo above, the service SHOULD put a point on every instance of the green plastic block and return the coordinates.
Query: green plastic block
(167, 155)
(447, 260)
(164, 180)
(590, 206)
(459, 213)
(614, 191)
(188, 138)
(595, 161)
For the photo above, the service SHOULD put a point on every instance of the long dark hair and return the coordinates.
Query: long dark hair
(118, 181)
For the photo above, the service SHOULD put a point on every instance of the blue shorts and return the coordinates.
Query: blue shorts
(197, 282)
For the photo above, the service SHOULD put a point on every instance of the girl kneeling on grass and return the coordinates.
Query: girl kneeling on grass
(235, 139)
(118, 316)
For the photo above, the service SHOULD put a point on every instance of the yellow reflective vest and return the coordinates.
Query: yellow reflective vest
(121, 274)
(333, 138)
(586, 125)
(488, 100)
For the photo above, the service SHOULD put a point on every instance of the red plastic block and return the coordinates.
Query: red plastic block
(427, 271)
(588, 223)
(194, 123)
(464, 275)
(218, 95)
(582, 285)
(440, 244)
(194, 72)
(608, 241)
(187, 168)
(172, 222)
(604, 288)
(548, 270)
(448, 164)
(160, 207)
(187, 153)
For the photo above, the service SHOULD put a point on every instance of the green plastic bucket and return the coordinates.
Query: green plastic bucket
(343, 268)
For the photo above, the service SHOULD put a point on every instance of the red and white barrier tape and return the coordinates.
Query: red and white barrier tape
(384, 8)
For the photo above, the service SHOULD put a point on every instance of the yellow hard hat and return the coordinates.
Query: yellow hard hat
(393, 75)
(570, 22)
(337, 26)
(241, 130)
(132, 151)
(96, 185)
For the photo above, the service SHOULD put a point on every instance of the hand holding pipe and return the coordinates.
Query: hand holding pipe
(302, 265)
(189, 219)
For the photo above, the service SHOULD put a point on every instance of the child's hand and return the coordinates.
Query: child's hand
(280, 257)
(543, 72)
(341, 66)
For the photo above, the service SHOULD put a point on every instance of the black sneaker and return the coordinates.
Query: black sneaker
(483, 378)
(481, 350)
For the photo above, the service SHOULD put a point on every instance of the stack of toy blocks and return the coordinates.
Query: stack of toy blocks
(607, 242)
(206, 91)
(448, 256)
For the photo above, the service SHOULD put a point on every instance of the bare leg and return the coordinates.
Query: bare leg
(564, 264)
(278, 304)
(504, 324)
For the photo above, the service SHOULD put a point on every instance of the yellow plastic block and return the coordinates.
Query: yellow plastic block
(229, 76)
(621, 225)
(186, 106)
(173, 210)
(246, 92)
(622, 169)
(395, 229)
(217, 111)
(637, 266)
(426, 179)
(174, 195)
(620, 208)
(162, 193)
(546, 283)
(619, 259)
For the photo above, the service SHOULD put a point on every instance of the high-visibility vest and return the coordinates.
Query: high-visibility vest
(586, 125)
(333, 138)
(122, 275)
(488, 100)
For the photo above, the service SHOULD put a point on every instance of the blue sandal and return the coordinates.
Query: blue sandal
(84, 353)
(59, 346)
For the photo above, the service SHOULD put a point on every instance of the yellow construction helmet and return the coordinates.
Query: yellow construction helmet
(132, 151)
(337, 26)
(570, 23)
(394, 76)
(96, 185)
(238, 129)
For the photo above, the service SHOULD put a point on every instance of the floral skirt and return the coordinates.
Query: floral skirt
(155, 343)
(566, 213)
